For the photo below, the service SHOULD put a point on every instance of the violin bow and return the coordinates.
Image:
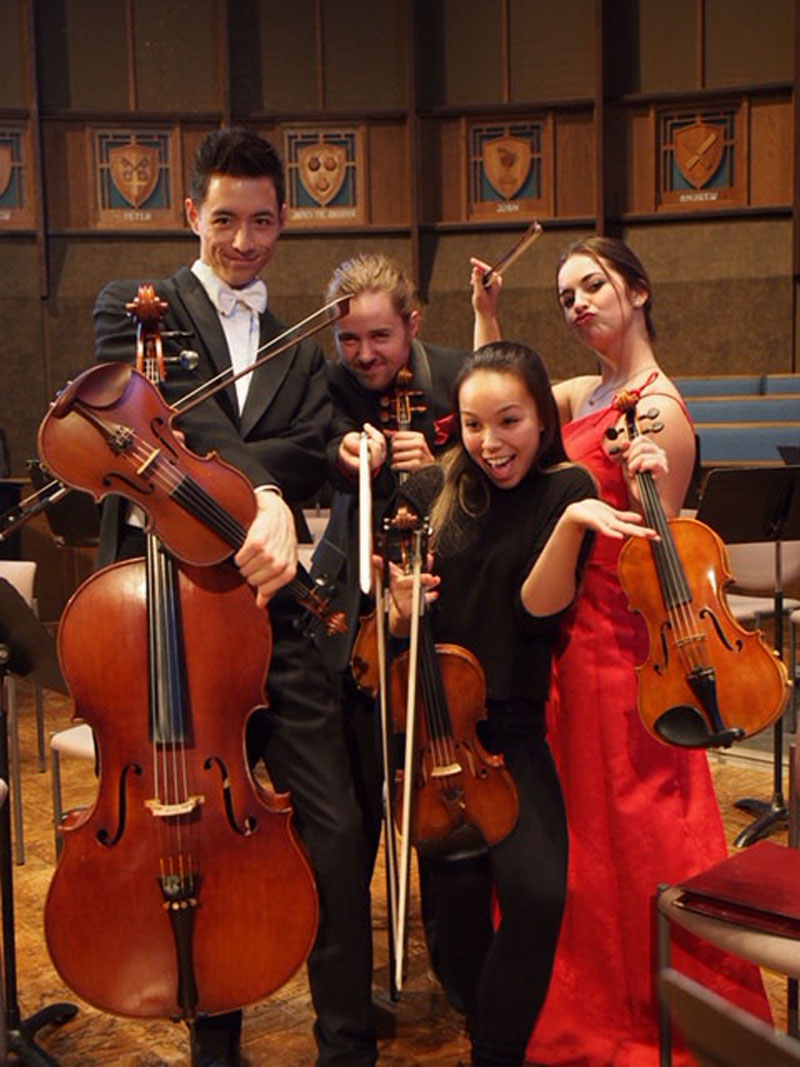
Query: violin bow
(389, 839)
(417, 605)
(364, 516)
(307, 327)
(533, 233)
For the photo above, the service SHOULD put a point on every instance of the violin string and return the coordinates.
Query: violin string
(668, 564)
(679, 609)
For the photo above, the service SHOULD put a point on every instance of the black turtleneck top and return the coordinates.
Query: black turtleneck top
(479, 605)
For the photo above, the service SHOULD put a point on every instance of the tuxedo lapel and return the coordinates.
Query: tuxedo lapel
(267, 378)
(209, 338)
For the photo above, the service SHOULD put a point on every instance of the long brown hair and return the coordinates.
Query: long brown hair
(610, 252)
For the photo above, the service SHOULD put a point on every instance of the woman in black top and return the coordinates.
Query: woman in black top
(509, 535)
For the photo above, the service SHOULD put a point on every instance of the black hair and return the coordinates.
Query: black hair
(240, 153)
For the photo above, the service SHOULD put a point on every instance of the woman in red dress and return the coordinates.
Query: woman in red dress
(639, 812)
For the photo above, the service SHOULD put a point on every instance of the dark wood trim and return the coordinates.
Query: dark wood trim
(600, 117)
(708, 96)
(700, 43)
(505, 51)
(524, 107)
(224, 59)
(319, 53)
(32, 78)
(130, 30)
(419, 273)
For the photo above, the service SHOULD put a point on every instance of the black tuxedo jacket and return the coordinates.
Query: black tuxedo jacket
(280, 437)
(434, 369)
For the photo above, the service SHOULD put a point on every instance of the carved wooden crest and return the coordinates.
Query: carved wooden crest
(322, 170)
(134, 171)
(507, 161)
(6, 161)
(325, 175)
(698, 152)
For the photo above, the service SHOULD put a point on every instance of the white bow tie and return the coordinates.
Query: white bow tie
(253, 296)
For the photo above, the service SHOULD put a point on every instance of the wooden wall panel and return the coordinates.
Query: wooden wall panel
(749, 42)
(574, 165)
(24, 396)
(771, 170)
(442, 158)
(82, 55)
(13, 76)
(551, 49)
(638, 158)
(667, 46)
(177, 55)
(722, 294)
(460, 55)
(273, 56)
(390, 184)
(365, 53)
(69, 183)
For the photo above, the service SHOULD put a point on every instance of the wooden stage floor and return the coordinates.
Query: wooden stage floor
(277, 1032)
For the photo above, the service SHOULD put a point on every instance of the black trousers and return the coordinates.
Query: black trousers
(502, 978)
(301, 740)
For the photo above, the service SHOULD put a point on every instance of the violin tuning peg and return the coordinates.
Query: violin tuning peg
(657, 427)
(652, 413)
(614, 450)
(612, 433)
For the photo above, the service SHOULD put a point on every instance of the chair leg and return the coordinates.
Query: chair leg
(40, 741)
(16, 772)
(664, 1020)
(55, 781)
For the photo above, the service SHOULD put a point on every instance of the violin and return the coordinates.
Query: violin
(706, 680)
(455, 782)
(183, 862)
(110, 431)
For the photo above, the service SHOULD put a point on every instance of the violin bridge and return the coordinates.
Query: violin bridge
(148, 462)
(443, 772)
(165, 811)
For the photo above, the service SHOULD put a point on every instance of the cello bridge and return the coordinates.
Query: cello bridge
(183, 807)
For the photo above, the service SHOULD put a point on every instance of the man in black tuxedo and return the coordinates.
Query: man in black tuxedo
(272, 425)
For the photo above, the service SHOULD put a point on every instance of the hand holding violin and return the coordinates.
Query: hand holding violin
(401, 586)
(409, 451)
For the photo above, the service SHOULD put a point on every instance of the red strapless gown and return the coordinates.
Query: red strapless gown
(639, 813)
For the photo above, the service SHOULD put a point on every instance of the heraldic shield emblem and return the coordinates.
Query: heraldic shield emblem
(698, 152)
(322, 170)
(507, 162)
(134, 171)
(5, 167)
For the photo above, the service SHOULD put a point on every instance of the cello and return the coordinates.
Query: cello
(183, 862)
(706, 680)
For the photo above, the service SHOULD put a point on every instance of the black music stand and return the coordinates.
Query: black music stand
(27, 650)
(746, 505)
